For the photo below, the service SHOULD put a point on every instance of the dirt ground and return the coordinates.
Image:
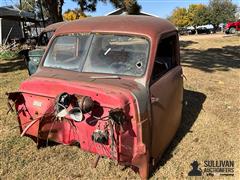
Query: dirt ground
(210, 128)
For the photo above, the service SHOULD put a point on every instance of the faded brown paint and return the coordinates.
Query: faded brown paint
(166, 114)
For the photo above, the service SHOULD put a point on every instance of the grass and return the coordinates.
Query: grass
(210, 128)
(7, 54)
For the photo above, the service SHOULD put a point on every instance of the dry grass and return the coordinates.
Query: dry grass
(210, 128)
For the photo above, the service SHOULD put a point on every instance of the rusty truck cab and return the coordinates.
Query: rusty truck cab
(131, 65)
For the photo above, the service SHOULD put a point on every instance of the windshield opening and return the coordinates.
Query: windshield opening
(99, 53)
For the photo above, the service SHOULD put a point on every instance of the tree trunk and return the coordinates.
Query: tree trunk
(54, 8)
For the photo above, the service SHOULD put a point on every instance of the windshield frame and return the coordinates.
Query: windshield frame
(147, 38)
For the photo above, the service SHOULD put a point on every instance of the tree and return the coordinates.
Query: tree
(86, 5)
(218, 11)
(27, 5)
(221, 11)
(70, 15)
(179, 17)
(54, 8)
(198, 14)
(33, 6)
(130, 6)
(237, 15)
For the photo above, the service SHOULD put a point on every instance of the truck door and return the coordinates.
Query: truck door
(166, 93)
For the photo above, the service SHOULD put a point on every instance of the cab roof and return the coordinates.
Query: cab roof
(127, 24)
(53, 27)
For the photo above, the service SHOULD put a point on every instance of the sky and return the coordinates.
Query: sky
(161, 8)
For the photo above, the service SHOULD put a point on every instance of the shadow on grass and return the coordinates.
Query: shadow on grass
(189, 116)
(40, 143)
(213, 59)
(184, 44)
(12, 65)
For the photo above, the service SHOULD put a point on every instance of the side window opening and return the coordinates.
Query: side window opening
(165, 58)
(44, 38)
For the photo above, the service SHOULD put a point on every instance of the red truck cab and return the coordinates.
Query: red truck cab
(113, 85)
(232, 27)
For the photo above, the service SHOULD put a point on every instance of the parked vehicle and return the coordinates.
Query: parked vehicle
(115, 91)
(232, 27)
(186, 31)
(33, 57)
(205, 29)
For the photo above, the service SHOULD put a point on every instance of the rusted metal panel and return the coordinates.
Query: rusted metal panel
(166, 99)
(143, 25)
(53, 27)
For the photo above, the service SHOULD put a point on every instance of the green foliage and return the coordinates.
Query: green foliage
(8, 54)
(179, 17)
(86, 5)
(218, 11)
(198, 14)
(130, 6)
(53, 8)
(221, 11)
